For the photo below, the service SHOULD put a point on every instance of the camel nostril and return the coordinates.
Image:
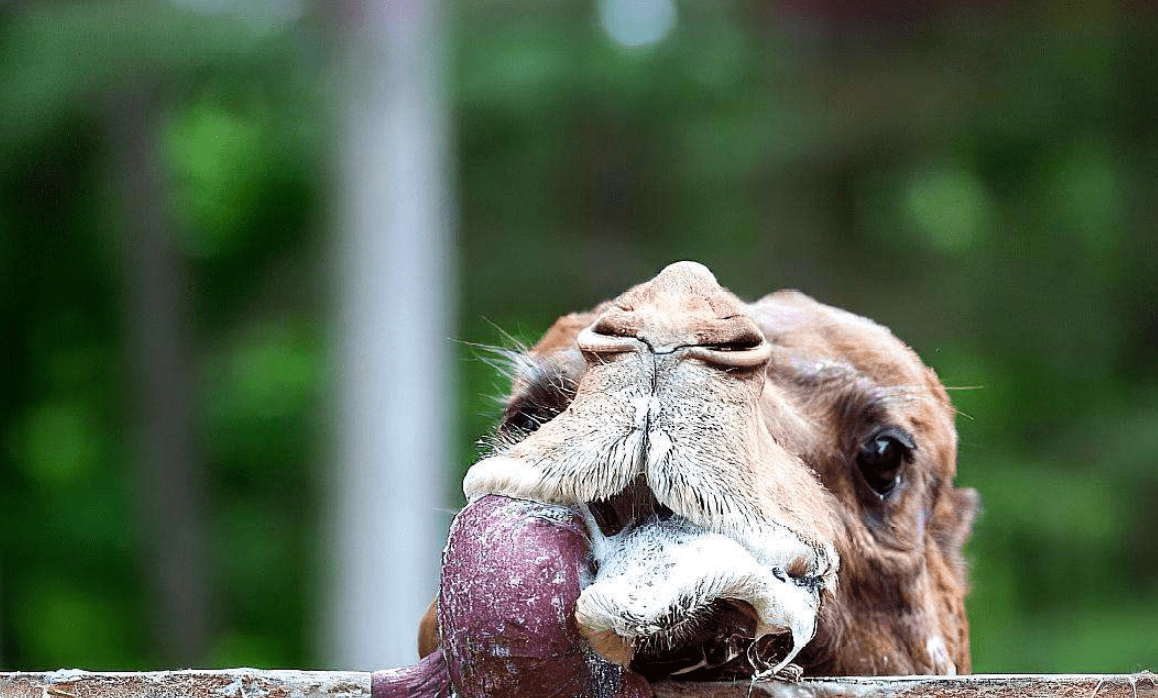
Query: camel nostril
(732, 359)
(743, 338)
(610, 335)
(615, 325)
(737, 344)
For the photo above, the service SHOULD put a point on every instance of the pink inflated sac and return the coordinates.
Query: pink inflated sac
(511, 574)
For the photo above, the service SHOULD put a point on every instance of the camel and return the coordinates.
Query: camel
(734, 489)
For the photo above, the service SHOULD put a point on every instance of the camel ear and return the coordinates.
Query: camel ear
(563, 332)
(953, 519)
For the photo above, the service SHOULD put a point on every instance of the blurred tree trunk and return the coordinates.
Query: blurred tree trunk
(171, 478)
(396, 293)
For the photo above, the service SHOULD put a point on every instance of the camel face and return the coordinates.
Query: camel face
(761, 483)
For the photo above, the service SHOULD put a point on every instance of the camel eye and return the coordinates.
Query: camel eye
(527, 414)
(548, 391)
(881, 458)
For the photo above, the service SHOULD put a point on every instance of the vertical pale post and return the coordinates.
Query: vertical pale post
(160, 353)
(396, 291)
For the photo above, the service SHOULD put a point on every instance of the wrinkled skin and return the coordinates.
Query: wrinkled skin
(804, 456)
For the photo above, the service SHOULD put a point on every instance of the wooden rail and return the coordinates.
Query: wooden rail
(256, 683)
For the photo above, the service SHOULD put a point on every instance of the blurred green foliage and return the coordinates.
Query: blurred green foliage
(982, 180)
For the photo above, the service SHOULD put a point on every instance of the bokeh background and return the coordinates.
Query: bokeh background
(982, 177)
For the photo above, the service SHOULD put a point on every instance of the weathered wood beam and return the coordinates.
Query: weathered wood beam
(1140, 685)
(193, 683)
(242, 683)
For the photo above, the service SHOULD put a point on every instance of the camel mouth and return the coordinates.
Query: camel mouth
(672, 599)
(716, 643)
(634, 505)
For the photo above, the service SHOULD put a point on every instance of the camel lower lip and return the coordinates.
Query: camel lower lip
(653, 597)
